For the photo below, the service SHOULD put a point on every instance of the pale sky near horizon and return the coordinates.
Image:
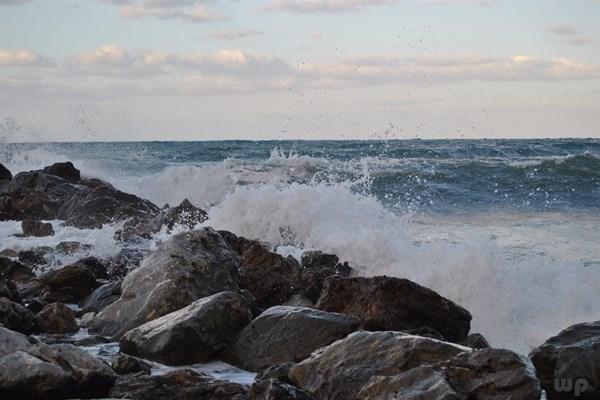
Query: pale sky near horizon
(315, 69)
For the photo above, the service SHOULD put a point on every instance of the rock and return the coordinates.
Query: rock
(272, 389)
(280, 372)
(181, 385)
(36, 304)
(9, 290)
(16, 317)
(385, 303)
(102, 297)
(15, 270)
(187, 267)
(476, 341)
(568, 364)
(125, 364)
(70, 248)
(5, 174)
(195, 333)
(69, 284)
(486, 374)
(36, 228)
(298, 300)
(65, 170)
(11, 341)
(86, 318)
(36, 256)
(124, 262)
(316, 268)
(96, 266)
(56, 318)
(288, 334)
(10, 253)
(338, 371)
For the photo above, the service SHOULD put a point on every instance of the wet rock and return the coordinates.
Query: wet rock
(125, 364)
(56, 318)
(69, 284)
(273, 389)
(69, 248)
(15, 270)
(65, 170)
(11, 341)
(288, 334)
(568, 364)
(386, 303)
(338, 371)
(36, 304)
(10, 253)
(9, 290)
(102, 297)
(125, 261)
(36, 228)
(487, 374)
(476, 341)
(96, 266)
(181, 385)
(5, 174)
(316, 268)
(195, 333)
(16, 317)
(86, 318)
(280, 372)
(187, 267)
(36, 256)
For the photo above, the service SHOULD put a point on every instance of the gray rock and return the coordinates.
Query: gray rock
(102, 297)
(9, 290)
(15, 270)
(36, 228)
(195, 333)
(386, 303)
(125, 364)
(273, 389)
(338, 371)
(56, 318)
(569, 363)
(69, 284)
(486, 374)
(316, 268)
(11, 341)
(284, 334)
(16, 317)
(187, 267)
(476, 341)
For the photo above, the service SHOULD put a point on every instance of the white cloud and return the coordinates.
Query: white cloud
(233, 34)
(23, 58)
(185, 10)
(329, 6)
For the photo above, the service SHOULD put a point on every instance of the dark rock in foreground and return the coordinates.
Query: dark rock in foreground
(385, 303)
(316, 268)
(5, 174)
(65, 170)
(9, 290)
(56, 318)
(68, 284)
(568, 364)
(102, 297)
(15, 270)
(187, 267)
(16, 317)
(338, 371)
(37, 228)
(124, 365)
(288, 334)
(11, 341)
(193, 334)
(180, 385)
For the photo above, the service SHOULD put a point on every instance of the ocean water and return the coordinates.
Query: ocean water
(510, 229)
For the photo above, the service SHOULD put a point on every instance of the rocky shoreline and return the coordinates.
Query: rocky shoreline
(308, 328)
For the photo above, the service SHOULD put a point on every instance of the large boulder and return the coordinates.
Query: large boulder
(568, 364)
(316, 268)
(386, 303)
(5, 174)
(102, 297)
(284, 334)
(487, 374)
(15, 270)
(338, 371)
(16, 317)
(36, 228)
(69, 284)
(56, 318)
(65, 170)
(273, 389)
(124, 365)
(193, 334)
(187, 267)
(181, 385)
(9, 290)
(11, 341)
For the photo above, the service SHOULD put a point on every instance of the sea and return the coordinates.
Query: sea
(509, 229)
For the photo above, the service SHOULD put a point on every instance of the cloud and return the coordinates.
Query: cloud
(234, 34)
(184, 10)
(23, 58)
(327, 6)
(563, 30)
(570, 34)
(14, 2)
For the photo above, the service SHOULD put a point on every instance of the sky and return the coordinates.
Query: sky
(96, 70)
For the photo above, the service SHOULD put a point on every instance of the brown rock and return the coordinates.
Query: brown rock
(56, 318)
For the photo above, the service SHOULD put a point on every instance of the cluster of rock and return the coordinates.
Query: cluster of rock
(310, 329)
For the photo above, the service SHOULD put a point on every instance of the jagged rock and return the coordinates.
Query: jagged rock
(36, 228)
(476, 341)
(70, 248)
(36, 256)
(16, 317)
(273, 389)
(386, 303)
(568, 364)
(15, 270)
(69, 284)
(102, 297)
(316, 268)
(280, 372)
(195, 333)
(5, 174)
(9, 290)
(125, 261)
(181, 385)
(187, 267)
(56, 318)
(487, 374)
(338, 371)
(125, 364)
(288, 334)
(65, 170)
(11, 341)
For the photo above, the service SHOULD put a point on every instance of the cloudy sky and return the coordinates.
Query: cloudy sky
(313, 69)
